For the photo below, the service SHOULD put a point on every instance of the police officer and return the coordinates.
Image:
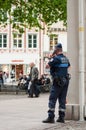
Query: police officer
(59, 65)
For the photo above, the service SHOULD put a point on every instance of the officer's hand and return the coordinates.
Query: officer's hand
(47, 66)
(52, 55)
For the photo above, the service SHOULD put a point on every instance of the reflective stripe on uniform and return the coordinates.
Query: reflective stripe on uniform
(52, 109)
(63, 65)
(62, 110)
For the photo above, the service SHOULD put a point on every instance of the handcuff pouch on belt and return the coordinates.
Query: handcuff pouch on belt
(68, 76)
(61, 81)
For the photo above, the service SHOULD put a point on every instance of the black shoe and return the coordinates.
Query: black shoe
(30, 96)
(61, 120)
(36, 95)
(48, 120)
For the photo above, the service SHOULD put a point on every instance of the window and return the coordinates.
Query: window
(53, 41)
(32, 41)
(3, 40)
(17, 40)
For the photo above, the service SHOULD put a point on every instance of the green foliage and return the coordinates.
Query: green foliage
(31, 13)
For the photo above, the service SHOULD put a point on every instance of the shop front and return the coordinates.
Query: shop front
(13, 64)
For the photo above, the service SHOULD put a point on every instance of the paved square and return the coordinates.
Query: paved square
(18, 112)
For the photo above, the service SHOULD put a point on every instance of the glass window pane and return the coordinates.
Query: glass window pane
(4, 45)
(14, 35)
(4, 41)
(29, 45)
(4, 36)
(29, 36)
(19, 35)
(34, 41)
(55, 42)
(34, 36)
(0, 36)
(15, 45)
(0, 45)
(51, 38)
(55, 38)
(19, 45)
(19, 41)
(0, 40)
(30, 41)
(14, 41)
(34, 45)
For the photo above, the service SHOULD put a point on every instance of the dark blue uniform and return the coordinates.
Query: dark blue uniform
(59, 71)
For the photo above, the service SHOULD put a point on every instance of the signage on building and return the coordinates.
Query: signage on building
(17, 60)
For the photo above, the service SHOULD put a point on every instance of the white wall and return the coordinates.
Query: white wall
(46, 43)
(62, 38)
(23, 58)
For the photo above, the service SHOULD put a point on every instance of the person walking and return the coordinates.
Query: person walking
(1, 80)
(4, 75)
(34, 79)
(59, 65)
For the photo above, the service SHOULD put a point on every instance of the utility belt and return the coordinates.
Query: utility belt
(68, 76)
(61, 80)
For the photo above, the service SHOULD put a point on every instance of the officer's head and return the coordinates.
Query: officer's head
(58, 48)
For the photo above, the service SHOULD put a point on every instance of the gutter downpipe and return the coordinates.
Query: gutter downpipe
(81, 60)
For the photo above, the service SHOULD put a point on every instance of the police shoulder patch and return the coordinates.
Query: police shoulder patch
(51, 59)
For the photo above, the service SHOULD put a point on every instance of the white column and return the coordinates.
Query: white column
(73, 50)
(81, 59)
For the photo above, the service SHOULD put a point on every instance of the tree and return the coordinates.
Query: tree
(31, 13)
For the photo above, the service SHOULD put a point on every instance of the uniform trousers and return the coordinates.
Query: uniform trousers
(60, 93)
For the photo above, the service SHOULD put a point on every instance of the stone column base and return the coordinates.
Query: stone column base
(72, 112)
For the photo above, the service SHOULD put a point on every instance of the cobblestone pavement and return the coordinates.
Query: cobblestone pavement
(18, 112)
(10, 96)
(68, 125)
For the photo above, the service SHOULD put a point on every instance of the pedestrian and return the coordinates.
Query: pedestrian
(1, 80)
(59, 65)
(4, 77)
(34, 80)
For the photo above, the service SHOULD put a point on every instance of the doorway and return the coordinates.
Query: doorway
(19, 69)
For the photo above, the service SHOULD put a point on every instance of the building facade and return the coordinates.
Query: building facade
(18, 50)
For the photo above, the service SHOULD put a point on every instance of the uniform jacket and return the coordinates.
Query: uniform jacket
(59, 65)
